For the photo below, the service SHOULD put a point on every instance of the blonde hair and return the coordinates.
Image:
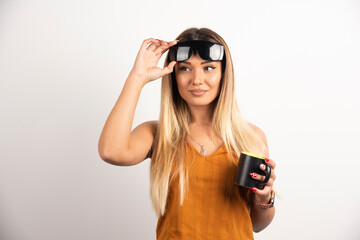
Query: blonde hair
(170, 150)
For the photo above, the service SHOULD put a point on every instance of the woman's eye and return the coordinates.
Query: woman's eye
(184, 69)
(209, 68)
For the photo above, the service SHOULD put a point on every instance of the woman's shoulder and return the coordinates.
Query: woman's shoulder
(258, 131)
(254, 127)
(153, 124)
(150, 126)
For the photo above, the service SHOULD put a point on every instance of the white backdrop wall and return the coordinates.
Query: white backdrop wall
(62, 67)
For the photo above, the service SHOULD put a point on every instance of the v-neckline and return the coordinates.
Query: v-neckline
(198, 153)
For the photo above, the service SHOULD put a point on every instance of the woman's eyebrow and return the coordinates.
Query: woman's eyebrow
(201, 63)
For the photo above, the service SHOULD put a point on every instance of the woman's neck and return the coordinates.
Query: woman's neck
(200, 116)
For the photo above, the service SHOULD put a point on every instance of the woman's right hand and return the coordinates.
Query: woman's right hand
(145, 66)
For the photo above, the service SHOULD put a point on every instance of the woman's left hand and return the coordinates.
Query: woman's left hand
(264, 195)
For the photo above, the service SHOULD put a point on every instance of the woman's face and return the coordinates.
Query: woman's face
(198, 80)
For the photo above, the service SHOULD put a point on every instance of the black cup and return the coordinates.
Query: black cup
(250, 163)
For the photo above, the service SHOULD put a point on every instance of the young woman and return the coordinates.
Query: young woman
(195, 145)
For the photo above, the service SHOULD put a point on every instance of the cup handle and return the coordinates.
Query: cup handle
(268, 174)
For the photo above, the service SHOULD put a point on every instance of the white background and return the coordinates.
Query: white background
(62, 67)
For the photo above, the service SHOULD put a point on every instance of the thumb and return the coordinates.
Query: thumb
(169, 68)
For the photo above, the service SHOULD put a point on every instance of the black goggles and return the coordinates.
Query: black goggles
(210, 51)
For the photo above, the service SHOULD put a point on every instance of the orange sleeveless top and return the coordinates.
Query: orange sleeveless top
(214, 209)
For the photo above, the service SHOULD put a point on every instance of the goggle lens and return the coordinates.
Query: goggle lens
(182, 53)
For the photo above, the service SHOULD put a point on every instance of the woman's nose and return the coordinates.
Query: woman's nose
(197, 77)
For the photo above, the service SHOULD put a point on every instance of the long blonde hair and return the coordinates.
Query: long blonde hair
(170, 149)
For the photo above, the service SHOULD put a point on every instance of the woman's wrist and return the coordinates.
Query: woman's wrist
(267, 202)
(262, 199)
(135, 77)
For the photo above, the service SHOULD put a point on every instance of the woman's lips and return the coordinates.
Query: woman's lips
(197, 92)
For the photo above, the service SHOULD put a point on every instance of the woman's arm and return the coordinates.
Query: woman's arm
(117, 144)
(261, 217)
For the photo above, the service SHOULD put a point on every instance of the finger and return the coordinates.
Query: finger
(146, 43)
(172, 43)
(161, 50)
(262, 195)
(261, 178)
(154, 45)
(266, 189)
(257, 177)
(263, 167)
(273, 175)
(272, 165)
(266, 186)
(162, 47)
(168, 69)
(270, 162)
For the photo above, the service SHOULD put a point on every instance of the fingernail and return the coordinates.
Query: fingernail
(253, 174)
(262, 166)
(157, 39)
(175, 64)
(254, 190)
(167, 43)
(267, 160)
